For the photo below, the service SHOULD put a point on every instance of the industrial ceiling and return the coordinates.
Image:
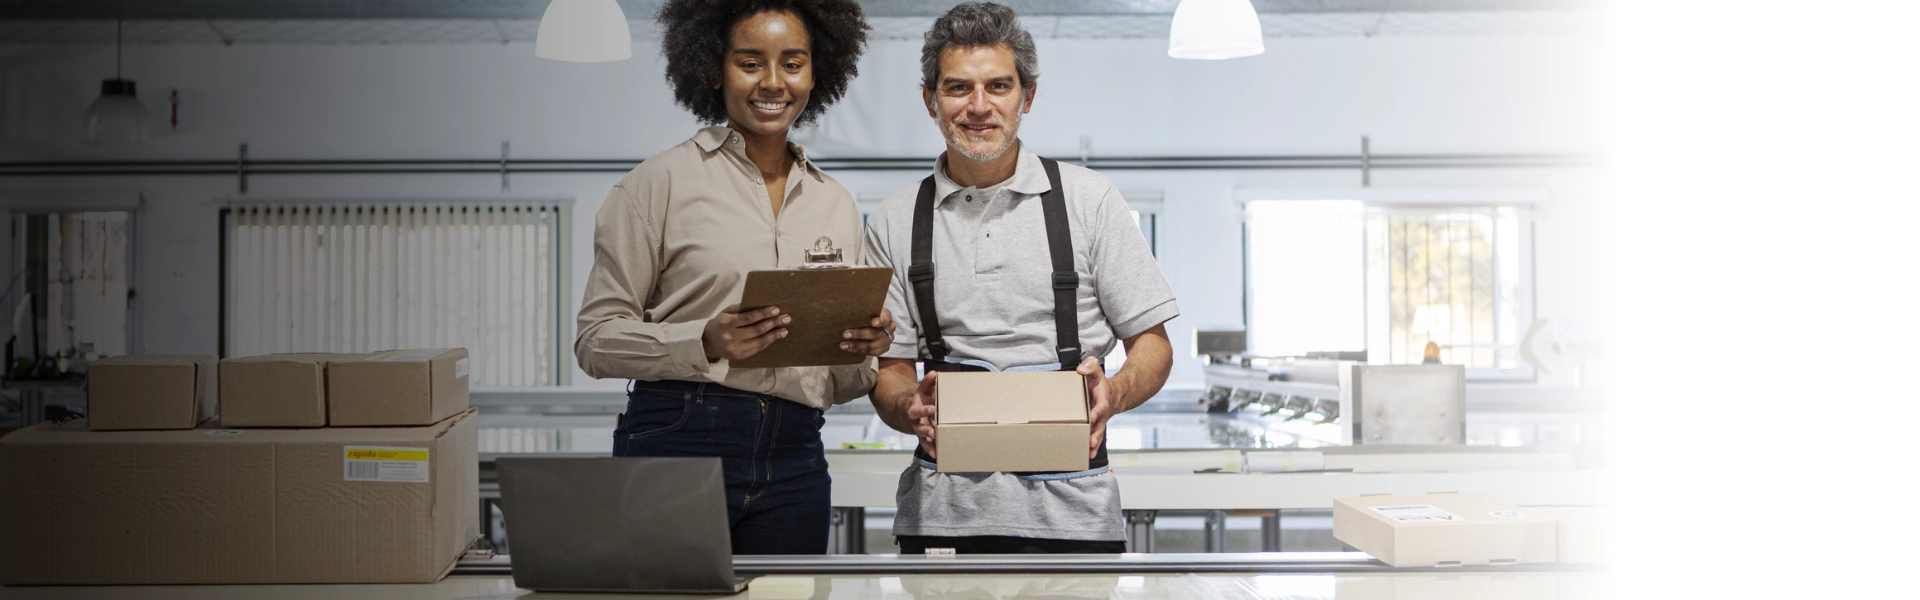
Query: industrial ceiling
(86, 22)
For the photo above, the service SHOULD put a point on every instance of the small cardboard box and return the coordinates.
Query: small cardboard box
(276, 390)
(210, 505)
(1444, 530)
(1033, 421)
(152, 391)
(1582, 532)
(397, 387)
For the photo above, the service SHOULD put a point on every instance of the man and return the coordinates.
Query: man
(1004, 261)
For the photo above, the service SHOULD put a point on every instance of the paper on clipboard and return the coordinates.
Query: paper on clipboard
(824, 303)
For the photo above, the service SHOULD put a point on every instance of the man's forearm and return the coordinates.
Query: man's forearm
(1149, 360)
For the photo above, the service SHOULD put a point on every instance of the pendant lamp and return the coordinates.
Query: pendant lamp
(1215, 30)
(117, 117)
(584, 31)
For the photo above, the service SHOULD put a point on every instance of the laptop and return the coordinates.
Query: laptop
(617, 524)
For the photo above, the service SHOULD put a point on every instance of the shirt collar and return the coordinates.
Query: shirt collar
(1029, 178)
(720, 136)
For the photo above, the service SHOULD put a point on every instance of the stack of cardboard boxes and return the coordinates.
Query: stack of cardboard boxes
(320, 468)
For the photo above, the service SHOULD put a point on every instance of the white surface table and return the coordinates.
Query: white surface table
(1529, 585)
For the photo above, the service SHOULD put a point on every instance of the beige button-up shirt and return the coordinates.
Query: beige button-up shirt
(673, 245)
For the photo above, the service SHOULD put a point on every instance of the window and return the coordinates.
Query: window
(69, 293)
(1345, 275)
(339, 277)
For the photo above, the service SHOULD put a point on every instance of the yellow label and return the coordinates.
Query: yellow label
(387, 355)
(387, 463)
(385, 454)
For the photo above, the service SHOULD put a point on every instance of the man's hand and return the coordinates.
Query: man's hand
(1106, 397)
(873, 340)
(922, 413)
(734, 335)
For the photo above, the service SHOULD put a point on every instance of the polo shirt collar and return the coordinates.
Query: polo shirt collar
(1029, 177)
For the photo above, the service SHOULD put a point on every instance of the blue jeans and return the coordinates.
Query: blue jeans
(778, 498)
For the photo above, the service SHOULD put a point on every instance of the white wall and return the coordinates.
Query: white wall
(1410, 94)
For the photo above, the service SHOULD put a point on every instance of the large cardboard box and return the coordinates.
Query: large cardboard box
(1444, 529)
(276, 390)
(1029, 421)
(208, 505)
(397, 387)
(152, 391)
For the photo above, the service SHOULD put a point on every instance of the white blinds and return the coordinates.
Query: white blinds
(334, 277)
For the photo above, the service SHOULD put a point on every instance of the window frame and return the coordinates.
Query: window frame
(26, 203)
(1524, 201)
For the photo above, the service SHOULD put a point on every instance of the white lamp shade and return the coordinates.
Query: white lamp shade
(117, 117)
(584, 31)
(1215, 30)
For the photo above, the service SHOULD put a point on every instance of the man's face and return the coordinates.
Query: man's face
(978, 101)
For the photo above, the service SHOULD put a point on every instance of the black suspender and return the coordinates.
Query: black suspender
(1066, 281)
(920, 273)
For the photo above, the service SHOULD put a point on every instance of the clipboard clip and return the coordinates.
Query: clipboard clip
(823, 255)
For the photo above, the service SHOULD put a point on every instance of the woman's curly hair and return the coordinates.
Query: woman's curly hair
(695, 34)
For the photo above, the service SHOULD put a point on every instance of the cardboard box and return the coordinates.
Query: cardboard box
(1444, 530)
(276, 390)
(1582, 532)
(1011, 422)
(397, 387)
(152, 391)
(209, 505)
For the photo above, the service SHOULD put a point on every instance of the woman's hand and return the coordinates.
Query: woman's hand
(871, 341)
(734, 335)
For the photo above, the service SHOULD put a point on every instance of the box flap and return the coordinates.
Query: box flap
(422, 355)
(1008, 398)
(152, 359)
(1438, 508)
(298, 357)
(75, 432)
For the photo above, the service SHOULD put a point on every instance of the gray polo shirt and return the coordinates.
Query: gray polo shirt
(993, 281)
(993, 289)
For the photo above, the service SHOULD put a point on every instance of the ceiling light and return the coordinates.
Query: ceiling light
(1215, 30)
(584, 31)
(117, 117)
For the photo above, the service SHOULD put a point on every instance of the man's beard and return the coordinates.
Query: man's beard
(956, 138)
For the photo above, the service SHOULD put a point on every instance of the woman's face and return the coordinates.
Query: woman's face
(769, 73)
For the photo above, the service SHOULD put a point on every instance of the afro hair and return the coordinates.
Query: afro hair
(695, 34)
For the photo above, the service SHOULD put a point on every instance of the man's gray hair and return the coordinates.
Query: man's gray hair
(978, 24)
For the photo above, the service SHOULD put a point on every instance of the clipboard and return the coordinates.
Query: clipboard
(824, 303)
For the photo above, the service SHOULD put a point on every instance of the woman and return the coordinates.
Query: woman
(677, 236)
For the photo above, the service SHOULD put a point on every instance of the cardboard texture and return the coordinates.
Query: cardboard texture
(824, 303)
(1030, 421)
(1444, 529)
(152, 391)
(397, 387)
(209, 505)
(276, 390)
(1582, 532)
